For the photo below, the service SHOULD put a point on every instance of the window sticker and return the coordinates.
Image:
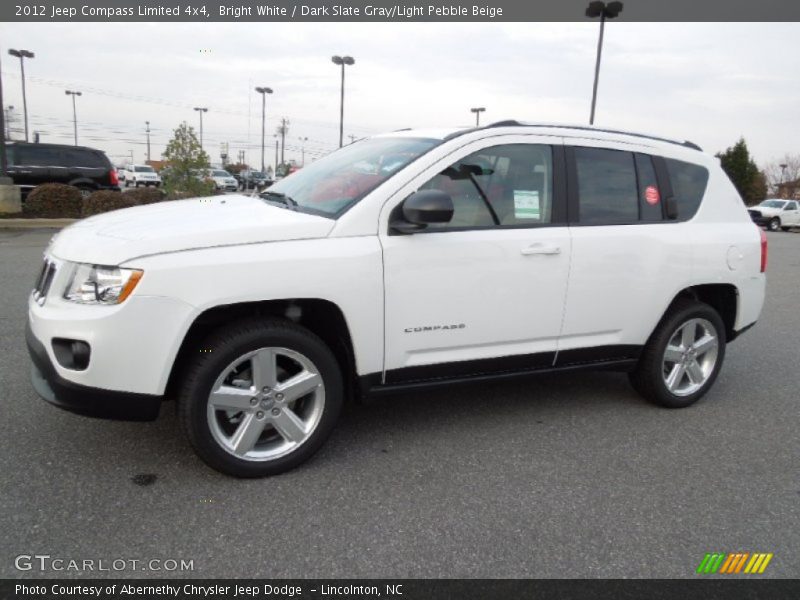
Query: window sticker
(526, 204)
(651, 195)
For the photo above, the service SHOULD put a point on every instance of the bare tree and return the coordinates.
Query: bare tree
(784, 170)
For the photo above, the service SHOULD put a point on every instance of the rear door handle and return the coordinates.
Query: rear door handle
(546, 249)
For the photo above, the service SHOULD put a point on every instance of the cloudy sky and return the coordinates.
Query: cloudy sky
(710, 83)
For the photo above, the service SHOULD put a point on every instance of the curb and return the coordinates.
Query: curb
(35, 223)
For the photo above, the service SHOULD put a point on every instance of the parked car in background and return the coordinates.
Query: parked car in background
(85, 168)
(250, 179)
(136, 175)
(776, 213)
(407, 260)
(121, 173)
(221, 178)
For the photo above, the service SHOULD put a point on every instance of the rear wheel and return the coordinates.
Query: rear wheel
(260, 398)
(683, 356)
(85, 190)
(774, 224)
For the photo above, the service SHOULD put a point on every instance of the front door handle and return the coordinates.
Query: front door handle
(546, 249)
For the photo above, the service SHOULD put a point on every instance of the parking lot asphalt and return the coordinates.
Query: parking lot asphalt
(559, 476)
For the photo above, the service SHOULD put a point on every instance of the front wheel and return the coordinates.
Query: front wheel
(774, 224)
(683, 356)
(260, 398)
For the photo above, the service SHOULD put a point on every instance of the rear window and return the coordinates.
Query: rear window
(11, 155)
(144, 169)
(689, 183)
(87, 159)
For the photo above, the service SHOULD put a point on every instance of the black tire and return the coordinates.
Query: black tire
(225, 346)
(648, 376)
(774, 224)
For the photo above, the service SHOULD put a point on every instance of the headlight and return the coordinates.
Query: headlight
(96, 284)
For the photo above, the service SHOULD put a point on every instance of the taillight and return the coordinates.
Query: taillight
(114, 177)
(763, 250)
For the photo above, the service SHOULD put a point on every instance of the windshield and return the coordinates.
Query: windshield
(219, 173)
(332, 184)
(773, 203)
(144, 169)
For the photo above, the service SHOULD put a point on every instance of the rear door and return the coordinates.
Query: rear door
(624, 253)
(791, 214)
(83, 164)
(35, 164)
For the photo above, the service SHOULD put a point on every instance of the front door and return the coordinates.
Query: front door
(484, 293)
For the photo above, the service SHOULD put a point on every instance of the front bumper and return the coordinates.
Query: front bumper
(81, 399)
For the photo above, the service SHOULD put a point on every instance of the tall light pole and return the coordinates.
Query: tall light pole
(22, 55)
(263, 91)
(342, 60)
(604, 11)
(303, 141)
(201, 110)
(74, 112)
(477, 112)
(147, 131)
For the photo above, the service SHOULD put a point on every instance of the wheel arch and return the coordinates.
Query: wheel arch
(722, 297)
(322, 317)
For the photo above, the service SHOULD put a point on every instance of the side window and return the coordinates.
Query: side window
(516, 180)
(791, 206)
(607, 187)
(11, 155)
(688, 186)
(74, 157)
(649, 194)
(39, 156)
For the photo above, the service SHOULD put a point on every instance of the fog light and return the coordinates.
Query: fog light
(72, 354)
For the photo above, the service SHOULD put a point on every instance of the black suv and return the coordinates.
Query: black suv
(87, 169)
(249, 179)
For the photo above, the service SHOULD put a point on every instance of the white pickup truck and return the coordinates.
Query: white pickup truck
(404, 261)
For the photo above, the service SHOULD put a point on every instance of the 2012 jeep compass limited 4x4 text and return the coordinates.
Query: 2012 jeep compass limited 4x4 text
(409, 259)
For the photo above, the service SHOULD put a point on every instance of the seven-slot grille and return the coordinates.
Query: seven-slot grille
(44, 280)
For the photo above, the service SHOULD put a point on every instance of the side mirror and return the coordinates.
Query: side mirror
(423, 208)
(671, 207)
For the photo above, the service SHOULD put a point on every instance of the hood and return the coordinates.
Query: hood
(121, 235)
(766, 211)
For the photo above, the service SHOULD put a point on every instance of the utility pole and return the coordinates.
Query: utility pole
(148, 140)
(74, 114)
(477, 110)
(352, 138)
(283, 129)
(342, 61)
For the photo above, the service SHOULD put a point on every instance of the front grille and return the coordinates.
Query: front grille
(44, 281)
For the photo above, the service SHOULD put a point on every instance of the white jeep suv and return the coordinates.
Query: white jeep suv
(407, 260)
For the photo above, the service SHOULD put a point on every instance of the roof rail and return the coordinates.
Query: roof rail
(514, 123)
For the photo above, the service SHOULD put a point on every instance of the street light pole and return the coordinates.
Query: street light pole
(303, 141)
(22, 55)
(148, 139)
(263, 91)
(477, 112)
(342, 60)
(201, 110)
(604, 11)
(74, 112)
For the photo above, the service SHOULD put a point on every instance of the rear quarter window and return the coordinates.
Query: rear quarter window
(689, 182)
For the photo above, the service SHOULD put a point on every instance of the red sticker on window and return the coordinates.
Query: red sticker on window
(651, 195)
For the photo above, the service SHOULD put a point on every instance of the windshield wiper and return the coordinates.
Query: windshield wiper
(280, 198)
